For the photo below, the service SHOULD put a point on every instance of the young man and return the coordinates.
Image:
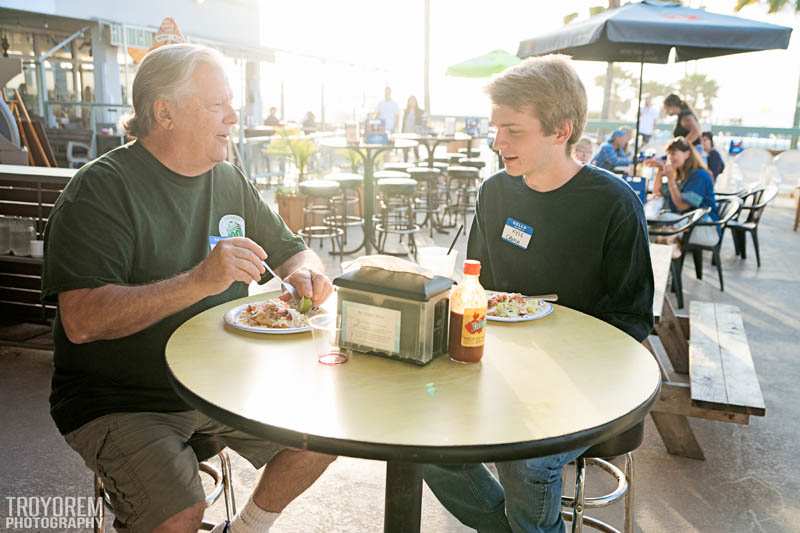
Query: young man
(588, 244)
(647, 119)
(129, 259)
(612, 152)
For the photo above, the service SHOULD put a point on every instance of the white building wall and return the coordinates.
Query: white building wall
(230, 21)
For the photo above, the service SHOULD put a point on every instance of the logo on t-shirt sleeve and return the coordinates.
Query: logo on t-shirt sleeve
(231, 226)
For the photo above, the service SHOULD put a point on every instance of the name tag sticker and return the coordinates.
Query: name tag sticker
(517, 233)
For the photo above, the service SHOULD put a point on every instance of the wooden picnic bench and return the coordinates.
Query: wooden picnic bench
(26, 192)
(712, 376)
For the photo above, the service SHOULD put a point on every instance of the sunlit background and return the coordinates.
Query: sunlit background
(385, 43)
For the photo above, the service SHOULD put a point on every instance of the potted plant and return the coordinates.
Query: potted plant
(292, 143)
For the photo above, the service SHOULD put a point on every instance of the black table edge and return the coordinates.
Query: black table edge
(417, 454)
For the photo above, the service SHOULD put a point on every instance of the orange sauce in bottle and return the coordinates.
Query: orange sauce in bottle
(468, 304)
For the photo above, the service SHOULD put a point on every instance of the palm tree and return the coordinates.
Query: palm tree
(609, 77)
(774, 7)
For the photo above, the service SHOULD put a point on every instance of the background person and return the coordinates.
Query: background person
(686, 123)
(582, 150)
(689, 186)
(388, 111)
(647, 119)
(612, 152)
(715, 163)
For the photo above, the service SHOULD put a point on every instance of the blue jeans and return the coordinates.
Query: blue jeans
(527, 498)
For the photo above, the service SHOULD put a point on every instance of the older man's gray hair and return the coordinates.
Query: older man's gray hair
(164, 74)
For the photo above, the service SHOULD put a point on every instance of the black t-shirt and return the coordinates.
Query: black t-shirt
(589, 246)
(680, 131)
(126, 219)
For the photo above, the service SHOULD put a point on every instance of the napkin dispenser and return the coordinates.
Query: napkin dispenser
(401, 315)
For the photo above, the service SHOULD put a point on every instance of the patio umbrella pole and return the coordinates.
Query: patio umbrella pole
(638, 116)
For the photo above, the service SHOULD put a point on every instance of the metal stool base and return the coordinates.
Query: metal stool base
(578, 504)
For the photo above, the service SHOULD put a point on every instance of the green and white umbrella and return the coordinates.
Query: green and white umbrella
(483, 66)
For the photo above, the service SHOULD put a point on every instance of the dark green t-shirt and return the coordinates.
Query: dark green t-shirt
(126, 219)
(589, 245)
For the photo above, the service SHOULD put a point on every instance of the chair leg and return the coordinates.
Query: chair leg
(742, 245)
(629, 496)
(227, 484)
(697, 256)
(754, 234)
(677, 268)
(99, 519)
(580, 481)
(719, 269)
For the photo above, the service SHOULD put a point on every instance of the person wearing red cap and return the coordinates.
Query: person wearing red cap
(584, 238)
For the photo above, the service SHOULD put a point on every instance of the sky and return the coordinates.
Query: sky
(373, 43)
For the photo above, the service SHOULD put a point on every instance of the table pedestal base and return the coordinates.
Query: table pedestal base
(403, 497)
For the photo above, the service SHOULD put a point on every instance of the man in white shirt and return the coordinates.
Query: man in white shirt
(388, 111)
(647, 119)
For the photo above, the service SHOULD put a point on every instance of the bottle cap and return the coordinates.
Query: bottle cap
(472, 267)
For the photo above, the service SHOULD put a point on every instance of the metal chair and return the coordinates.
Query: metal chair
(728, 210)
(623, 444)
(680, 227)
(223, 485)
(740, 229)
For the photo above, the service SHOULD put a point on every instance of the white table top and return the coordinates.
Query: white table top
(542, 386)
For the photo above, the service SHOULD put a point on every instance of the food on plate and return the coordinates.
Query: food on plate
(512, 305)
(277, 314)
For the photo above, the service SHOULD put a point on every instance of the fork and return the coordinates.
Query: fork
(287, 287)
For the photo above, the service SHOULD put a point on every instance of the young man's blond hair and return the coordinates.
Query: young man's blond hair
(547, 86)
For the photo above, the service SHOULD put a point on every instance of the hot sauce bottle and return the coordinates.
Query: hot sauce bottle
(468, 305)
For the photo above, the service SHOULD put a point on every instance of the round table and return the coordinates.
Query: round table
(559, 383)
(368, 153)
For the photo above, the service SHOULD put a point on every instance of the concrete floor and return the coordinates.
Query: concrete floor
(747, 483)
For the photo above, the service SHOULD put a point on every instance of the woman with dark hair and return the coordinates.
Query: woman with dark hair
(687, 125)
(688, 186)
(413, 116)
(413, 122)
(715, 163)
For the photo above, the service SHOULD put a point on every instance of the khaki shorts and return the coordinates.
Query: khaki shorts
(148, 462)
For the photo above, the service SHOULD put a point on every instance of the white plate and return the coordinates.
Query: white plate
(544, 310)
(232, 319)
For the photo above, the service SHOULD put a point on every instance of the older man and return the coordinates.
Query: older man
(612, 152)
(129, 259)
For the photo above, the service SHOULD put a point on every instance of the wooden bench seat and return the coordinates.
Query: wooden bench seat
(715, 379)
(721, 368)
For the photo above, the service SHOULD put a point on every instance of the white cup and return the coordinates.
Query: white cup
(437, 260)
(37, 248)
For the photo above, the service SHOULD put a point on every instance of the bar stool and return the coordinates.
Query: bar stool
(472, 152)
(461, 183)
(428, 201)
(223, 485)
(318, 210)
(397, 214)
(623, 444)
(474, 162)
(397, 165)
(349, 197)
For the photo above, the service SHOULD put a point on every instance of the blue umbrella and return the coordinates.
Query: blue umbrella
(646, 32)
